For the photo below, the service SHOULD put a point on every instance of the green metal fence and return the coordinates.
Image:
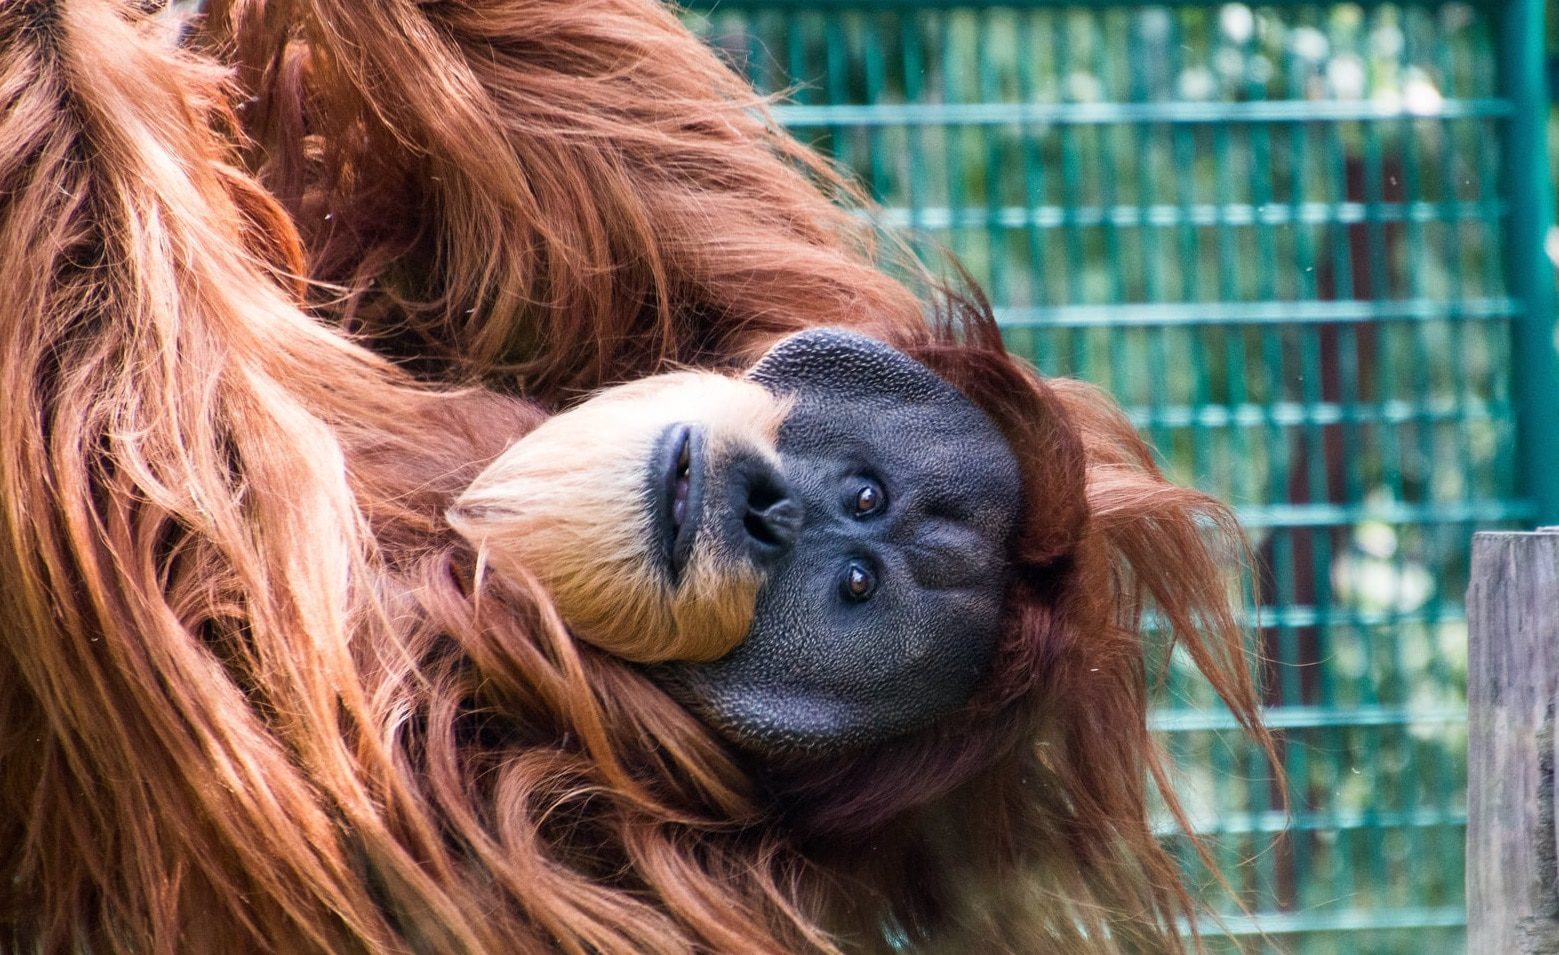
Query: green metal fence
(1302, 244)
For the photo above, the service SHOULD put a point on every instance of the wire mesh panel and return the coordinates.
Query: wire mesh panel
(1277, 235)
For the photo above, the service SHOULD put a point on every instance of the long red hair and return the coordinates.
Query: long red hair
(248, 697)
(558, 194)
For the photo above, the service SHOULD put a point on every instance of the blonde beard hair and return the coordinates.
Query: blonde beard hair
(569, 504)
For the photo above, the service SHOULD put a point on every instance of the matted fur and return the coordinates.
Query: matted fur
(248, 700)
(567, 505)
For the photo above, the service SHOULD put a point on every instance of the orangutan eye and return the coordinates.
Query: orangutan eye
(858, 582)
(867, 500)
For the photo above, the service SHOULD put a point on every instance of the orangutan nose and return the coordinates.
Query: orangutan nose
(771, 515)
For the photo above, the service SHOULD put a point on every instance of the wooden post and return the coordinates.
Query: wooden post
(1512, 687)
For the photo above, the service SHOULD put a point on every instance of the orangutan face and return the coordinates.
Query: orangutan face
(813, 556)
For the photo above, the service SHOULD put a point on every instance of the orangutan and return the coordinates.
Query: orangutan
(469, 483)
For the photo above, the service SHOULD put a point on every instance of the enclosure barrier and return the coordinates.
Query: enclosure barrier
(1303, 245)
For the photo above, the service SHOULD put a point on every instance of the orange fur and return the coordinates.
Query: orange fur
(249, 700)
(559, 194)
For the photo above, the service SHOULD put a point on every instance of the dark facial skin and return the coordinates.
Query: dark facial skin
(884, 601)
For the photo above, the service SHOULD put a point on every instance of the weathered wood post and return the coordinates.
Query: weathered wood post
(1512, 688)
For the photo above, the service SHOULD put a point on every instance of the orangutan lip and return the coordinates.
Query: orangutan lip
(681, 493)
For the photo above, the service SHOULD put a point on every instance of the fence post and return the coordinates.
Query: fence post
(1512, 687)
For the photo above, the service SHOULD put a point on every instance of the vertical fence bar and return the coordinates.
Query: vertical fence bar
(1535, 367)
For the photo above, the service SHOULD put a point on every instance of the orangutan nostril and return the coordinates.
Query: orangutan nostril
(775, 525)
(771, 517)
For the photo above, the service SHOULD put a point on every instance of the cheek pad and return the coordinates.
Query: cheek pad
(805, 681)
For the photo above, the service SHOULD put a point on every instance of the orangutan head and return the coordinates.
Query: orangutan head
(816, 553)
